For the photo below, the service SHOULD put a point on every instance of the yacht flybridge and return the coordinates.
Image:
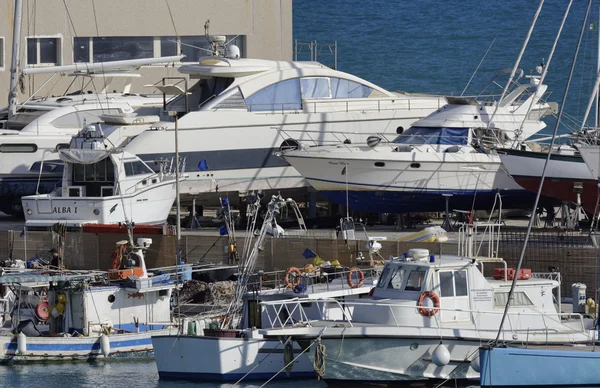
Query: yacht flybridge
(240, 111)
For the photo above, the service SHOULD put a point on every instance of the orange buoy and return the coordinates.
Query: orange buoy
(42, 311)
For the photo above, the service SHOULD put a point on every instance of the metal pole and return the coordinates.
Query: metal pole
(177, 200)
(14, 66)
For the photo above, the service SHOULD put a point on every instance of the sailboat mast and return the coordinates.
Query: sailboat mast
(597, 112)
(14, 66)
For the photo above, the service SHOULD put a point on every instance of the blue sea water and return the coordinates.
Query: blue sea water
(415, 46)
(435, 46)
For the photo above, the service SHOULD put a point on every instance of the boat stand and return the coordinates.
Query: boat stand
(447, 224)
(194, 223)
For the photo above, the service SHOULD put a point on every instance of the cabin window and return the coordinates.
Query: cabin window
(415, 280)
(103, 171)
(44, 51)
(383, 277)
(17, 148)
(397, 279)
(284, 95)
(343, 88)
(315, 87)
(137, 168)
(453, 283)
(433, 136)
(82, 118)
(519, 298)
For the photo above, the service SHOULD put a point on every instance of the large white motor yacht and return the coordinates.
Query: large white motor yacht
(240, 111)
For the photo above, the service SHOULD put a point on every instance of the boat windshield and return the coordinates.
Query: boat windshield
(433, 135)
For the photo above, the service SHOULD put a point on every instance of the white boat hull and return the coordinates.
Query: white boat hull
(151, 206)
(399, 182)
(383, 360)
(225, 359)
(133, 345)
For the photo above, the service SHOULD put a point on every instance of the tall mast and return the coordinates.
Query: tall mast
(596, 111)
(14, 66)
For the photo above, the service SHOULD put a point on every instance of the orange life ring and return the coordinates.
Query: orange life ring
(287, 281)
(427, 311)
(361, 277)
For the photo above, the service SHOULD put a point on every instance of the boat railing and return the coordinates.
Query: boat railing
(348, 105)
(396, 142)
(314, 279)
(283, 313)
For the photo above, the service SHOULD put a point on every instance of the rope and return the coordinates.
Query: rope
(319, 361)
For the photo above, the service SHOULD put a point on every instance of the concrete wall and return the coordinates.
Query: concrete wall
(266, 24)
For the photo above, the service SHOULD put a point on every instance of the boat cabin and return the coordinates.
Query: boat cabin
(423, 290)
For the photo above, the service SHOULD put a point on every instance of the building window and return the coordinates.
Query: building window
(2, 59)
(194, 47)
(44, 51)
(81, 50)
(118, 48)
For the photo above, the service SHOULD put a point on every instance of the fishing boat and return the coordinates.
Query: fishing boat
(102, 184)
(232, 348)
(445, 160)
(427, 318)
(66, 315)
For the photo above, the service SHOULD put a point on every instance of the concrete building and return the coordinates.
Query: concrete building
(59, 32)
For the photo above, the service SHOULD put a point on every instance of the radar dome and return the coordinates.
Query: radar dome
(233, 52)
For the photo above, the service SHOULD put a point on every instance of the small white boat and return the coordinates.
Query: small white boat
(61, 315)
(231, 355)
(103, 185)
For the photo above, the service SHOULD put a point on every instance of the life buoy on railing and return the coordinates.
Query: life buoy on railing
(288, 283)
(429, 311)
(361, 277)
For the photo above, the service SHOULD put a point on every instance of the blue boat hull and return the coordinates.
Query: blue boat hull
(373, 201)
(511, 367)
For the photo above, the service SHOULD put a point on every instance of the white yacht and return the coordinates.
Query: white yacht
(446, 156)
(427, 318)
(43, 124)
(104, 185)
(240, 111)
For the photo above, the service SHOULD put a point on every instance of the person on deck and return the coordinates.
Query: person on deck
(56, 259)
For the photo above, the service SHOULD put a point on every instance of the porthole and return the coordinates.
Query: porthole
(111, 298)
(399, 130)
(379, 164)
(415, 165)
